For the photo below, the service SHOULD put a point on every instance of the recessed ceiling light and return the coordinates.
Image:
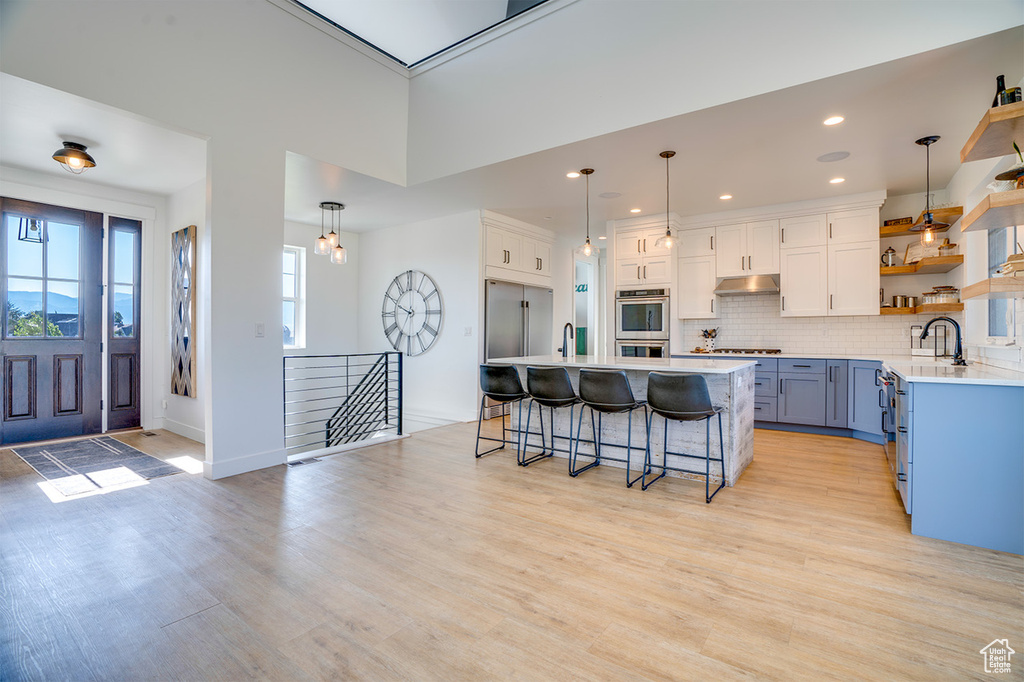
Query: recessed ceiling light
(833, 120)
(836, 181)
(572, 174)
(602, 237)
(724, 197)
(634, 210)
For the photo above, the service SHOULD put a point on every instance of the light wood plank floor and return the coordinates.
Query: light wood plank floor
(414, 561)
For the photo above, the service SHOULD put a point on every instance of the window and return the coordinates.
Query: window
(1001, 311)
(42, 266)
(293, 276)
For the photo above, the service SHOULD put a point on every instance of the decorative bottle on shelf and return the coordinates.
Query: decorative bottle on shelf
(1000, 86)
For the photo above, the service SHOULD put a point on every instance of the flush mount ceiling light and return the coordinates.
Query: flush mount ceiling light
(666, 241)
(833, 120)
(928, 227)
(73, 157)
(329, 244)
(836, 181)
(586, 249)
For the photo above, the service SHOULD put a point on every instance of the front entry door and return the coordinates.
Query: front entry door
(52, 327)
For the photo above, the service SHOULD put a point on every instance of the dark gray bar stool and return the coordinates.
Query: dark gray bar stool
(683, 398)
(501, 384)
(548, 387)
(607, 392)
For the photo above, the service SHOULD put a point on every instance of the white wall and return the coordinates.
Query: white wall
(184, 416)
(227, 71)
(597, 66)
(441, 384)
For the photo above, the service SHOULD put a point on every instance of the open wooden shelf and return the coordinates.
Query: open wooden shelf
(924, 308)
(995, 287)
(999, 209)
(931, 265)
(995, 133)
(950, 215)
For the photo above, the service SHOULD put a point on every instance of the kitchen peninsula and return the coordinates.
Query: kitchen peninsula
(730, 384)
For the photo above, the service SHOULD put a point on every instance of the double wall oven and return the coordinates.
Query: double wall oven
(642, 323)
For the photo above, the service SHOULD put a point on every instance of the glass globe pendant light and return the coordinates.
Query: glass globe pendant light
(586, 249)
(323, 246)
(666, 241)
(928, 227)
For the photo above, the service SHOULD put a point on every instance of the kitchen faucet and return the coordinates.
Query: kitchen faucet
(958, 356)
(567, 329)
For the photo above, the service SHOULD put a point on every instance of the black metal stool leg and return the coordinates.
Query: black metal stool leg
(544, 453)
(479, 423)
(721, 450)
(629, 451)
(573, 471)
(664, 456)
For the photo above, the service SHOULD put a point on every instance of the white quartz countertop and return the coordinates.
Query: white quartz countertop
(710, 365)
(869, 357)
(943, 372)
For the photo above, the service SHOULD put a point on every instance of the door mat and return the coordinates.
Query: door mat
(81, 466)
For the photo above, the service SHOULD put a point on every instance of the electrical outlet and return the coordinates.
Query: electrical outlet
(261, 330)
(469, 331)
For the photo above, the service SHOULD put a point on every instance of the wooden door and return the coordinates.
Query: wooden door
(123, 307)
(52, 329)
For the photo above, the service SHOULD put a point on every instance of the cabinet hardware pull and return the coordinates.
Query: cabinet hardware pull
(645, 272)
(878, 376)
(742, 260)
(783, 302)
(638, 246)
(712, 242)
(712, 305)
(899, 392)
(757, 383)
(782, 382)
(881, 397)
(830, 230)
(806, 366)
(645, 246)
(901, 429)
(830, 301)
(757, 409)
(901, 477)
(883, 422)
(783, 235)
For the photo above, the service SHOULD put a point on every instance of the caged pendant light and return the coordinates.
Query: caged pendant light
(329, 244)
(928, 227)
(586, 249)
(666, 241)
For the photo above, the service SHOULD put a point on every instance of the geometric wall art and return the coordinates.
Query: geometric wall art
(183, 312)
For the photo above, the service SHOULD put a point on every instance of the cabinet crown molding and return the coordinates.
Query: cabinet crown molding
(850, 202)
(490, 218)
(644, 222)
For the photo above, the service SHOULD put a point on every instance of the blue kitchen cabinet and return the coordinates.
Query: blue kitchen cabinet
(766, 379)
(866, 405)
(802, 391)
(837, 393)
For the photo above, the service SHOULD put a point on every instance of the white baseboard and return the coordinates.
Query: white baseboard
(244, 464)
(190, 432)
(324, 452)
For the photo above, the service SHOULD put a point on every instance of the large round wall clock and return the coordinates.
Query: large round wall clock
(412, 312)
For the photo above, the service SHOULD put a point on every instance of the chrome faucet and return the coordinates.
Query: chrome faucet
(566, 330)
(958, 356)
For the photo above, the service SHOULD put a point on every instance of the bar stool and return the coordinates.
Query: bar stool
(501, 384)
(683, 398)
(548, 387)
(607, 392)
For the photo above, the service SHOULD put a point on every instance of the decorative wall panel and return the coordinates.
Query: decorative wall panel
(183, 312)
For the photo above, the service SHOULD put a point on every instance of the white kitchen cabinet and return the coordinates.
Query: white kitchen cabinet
(536, 256)
(853, 278)
(504, 248)
(696, 242)
(638, 261)
(804, 281)
(695, 293)
(847, 227)
(803, 231)
(516, 252)
(747, 249)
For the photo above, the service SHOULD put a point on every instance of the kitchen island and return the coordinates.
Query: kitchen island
(730, 384)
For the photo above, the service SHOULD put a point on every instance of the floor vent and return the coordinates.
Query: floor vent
(148, 434)
(300, 462)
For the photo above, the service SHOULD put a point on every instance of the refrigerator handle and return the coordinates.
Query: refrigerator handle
(526, 327)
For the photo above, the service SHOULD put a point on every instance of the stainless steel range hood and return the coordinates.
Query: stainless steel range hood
(751, 284)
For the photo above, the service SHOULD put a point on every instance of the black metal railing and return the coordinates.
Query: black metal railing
(332, 400)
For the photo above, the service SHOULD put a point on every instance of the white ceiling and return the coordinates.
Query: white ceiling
(411, 30)
(130, 152)
(761, 150)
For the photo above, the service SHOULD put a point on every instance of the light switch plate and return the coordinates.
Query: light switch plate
(261, 330)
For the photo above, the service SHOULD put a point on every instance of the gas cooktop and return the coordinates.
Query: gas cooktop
(748, 351)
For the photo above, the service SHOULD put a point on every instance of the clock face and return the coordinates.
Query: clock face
(412, 312)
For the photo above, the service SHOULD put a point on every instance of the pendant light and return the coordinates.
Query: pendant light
(73, 157)
(587, 248)
(666, 241)
(928, 227)
(330, 244)
(31, 230)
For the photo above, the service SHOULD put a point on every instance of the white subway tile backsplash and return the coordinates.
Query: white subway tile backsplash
(754, 322)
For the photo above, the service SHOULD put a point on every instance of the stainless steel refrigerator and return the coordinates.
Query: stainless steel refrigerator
(518, 320)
